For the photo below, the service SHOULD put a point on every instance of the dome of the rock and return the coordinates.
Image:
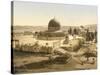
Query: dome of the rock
(53, 25)
(53, 33)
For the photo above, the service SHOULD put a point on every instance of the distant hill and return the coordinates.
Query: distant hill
(43, 28)
(91, 27)
(28, 28)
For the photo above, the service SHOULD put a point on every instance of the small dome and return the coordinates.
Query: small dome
(53, 25)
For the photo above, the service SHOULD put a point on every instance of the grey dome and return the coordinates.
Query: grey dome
(53, 25)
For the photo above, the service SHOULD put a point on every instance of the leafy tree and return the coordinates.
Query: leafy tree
(75, 31)
(95, 35)
(70, 31)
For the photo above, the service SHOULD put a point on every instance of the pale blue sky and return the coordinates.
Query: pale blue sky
(32, 13)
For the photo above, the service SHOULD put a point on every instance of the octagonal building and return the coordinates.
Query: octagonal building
(53, 32)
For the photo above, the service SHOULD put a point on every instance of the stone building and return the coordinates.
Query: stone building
(54, 31)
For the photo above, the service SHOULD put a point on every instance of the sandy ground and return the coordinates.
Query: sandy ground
(24, 63)
(35, 63)
(27, 60)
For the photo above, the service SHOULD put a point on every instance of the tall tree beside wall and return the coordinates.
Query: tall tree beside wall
(70, 31)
